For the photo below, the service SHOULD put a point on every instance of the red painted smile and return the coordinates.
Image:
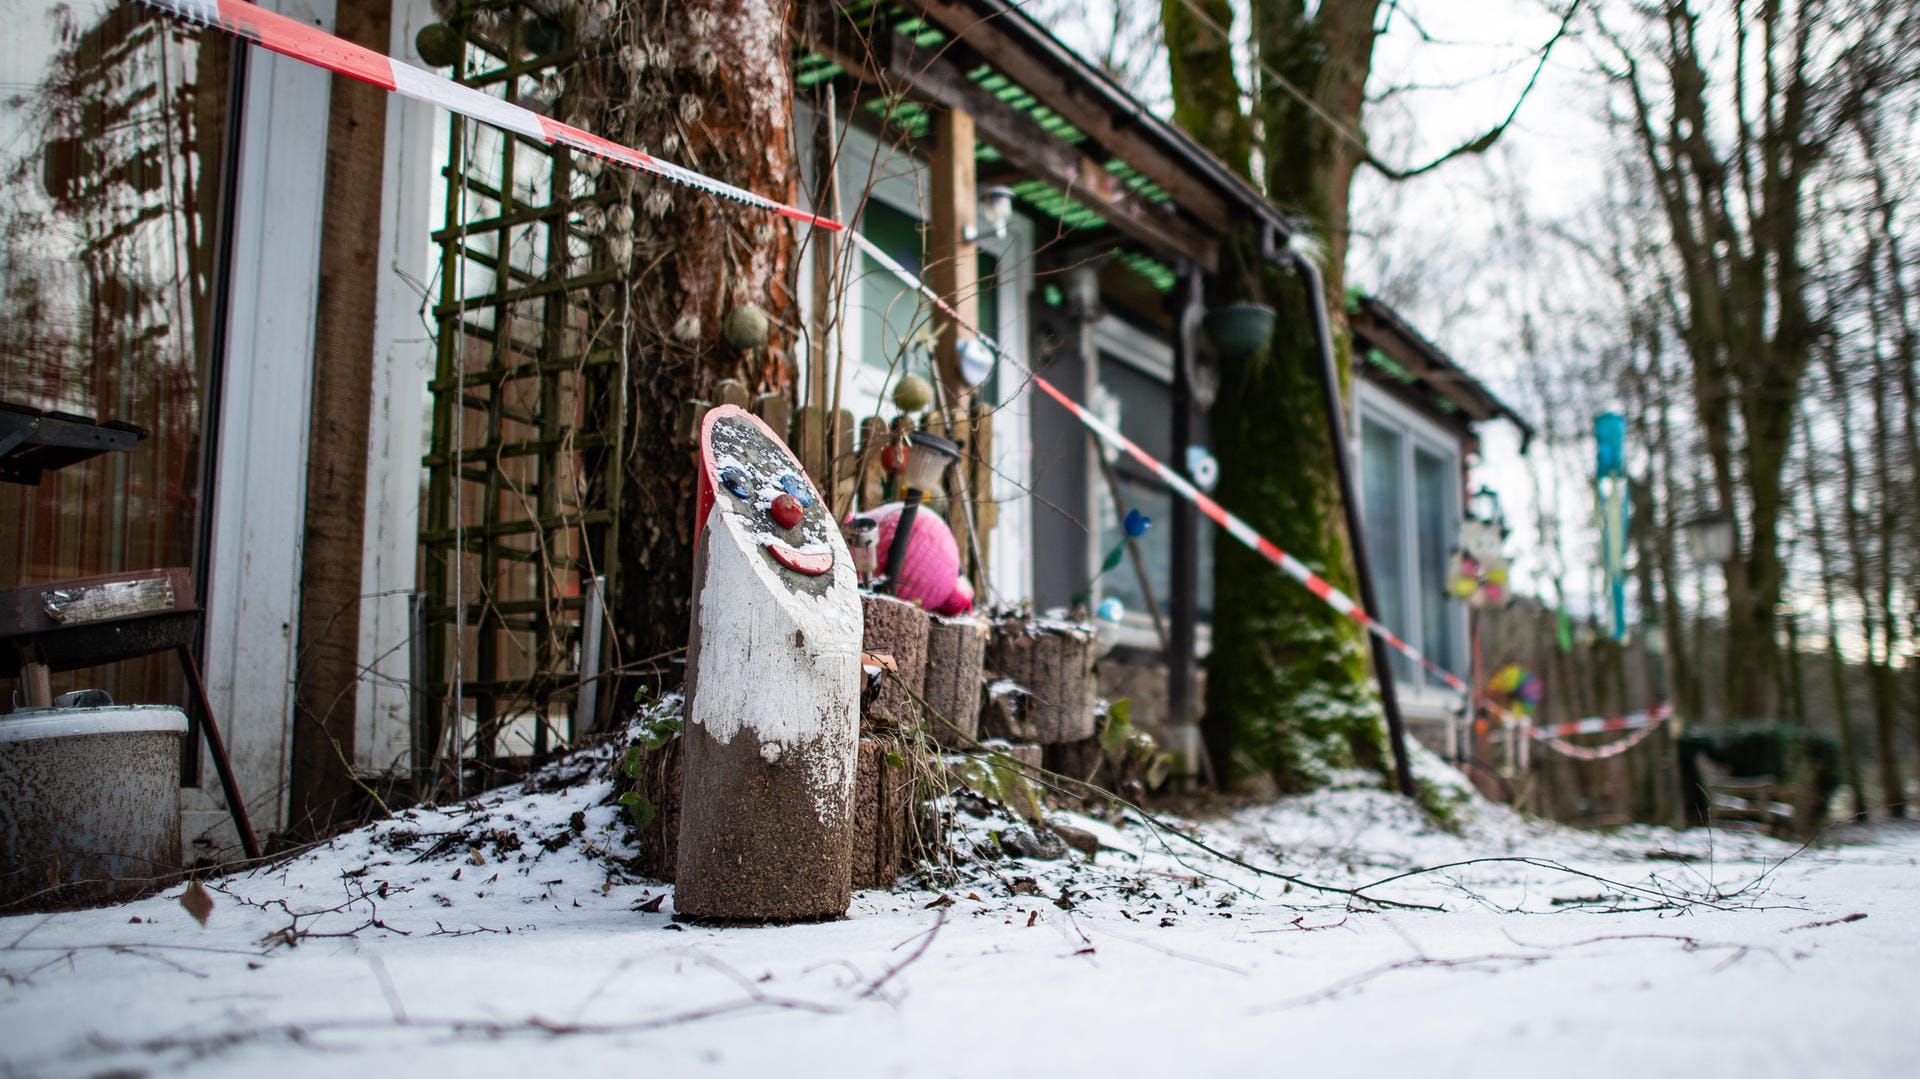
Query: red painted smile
(812, 564)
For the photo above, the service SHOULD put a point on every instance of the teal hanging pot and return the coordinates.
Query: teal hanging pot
(1238, 330)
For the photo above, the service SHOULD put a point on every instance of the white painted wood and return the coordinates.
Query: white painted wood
(259, 490)
(402, 364)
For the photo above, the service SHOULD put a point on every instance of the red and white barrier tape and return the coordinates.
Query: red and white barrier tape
(1652, 717)
(293, 39)
(1235, 527)
(1599, 753)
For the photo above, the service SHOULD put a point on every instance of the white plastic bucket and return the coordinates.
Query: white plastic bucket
(89, 802)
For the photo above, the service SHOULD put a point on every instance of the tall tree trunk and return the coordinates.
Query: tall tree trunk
(1837, 665)
(1686, 675)
(1861, 558)
(1886, 685)
(1288, 685)
(708, 83)
(1905, 354)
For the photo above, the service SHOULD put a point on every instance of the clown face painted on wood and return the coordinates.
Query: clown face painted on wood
(773, 689)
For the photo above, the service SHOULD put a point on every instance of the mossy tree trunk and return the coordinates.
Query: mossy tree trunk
(1289, 687)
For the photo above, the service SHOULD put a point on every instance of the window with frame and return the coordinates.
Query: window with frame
(1410, 510)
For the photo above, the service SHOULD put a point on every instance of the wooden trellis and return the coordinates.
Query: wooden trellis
(523, 467)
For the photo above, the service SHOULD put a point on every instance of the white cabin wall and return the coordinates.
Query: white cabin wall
(259, 494)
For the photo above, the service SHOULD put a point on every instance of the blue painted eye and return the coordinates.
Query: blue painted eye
(736, 481)
(798, 488)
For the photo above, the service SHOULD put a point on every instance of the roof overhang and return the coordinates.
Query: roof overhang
(1383, 328)
(1168, 195)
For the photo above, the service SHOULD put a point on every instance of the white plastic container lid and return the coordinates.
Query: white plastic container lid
(70, 722)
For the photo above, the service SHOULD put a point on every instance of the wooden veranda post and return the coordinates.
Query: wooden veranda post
(953, 269)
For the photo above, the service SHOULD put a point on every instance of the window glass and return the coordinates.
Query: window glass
(893, 318)
(1435, 524)
(1382, 484)
(1146, 417)
(891, 313)
(112, 127)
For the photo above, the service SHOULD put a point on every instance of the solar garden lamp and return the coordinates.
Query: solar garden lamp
(926, 459)
(1710, 537)
(996, 211)
(863, 543)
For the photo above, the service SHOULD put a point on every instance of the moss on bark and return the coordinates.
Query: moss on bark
(1289, 686)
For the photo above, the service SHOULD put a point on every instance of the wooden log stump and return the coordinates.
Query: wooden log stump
(899, 629)
(1082, 760)
(659, 783)
(883, 813)
(956, 651)
(1053, 662)
(1030, 755)
(1003, 710)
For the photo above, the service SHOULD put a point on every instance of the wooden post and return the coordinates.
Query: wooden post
(822, 368)
(899, 630)
(953, 260)
(1053, 663)
(328, 661)
(986, 512)
(1183, 585)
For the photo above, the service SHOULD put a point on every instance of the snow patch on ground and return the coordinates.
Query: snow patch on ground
(507, 936)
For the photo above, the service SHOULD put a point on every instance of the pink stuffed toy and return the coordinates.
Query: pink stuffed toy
(930, 570)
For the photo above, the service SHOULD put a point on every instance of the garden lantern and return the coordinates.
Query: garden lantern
(1710, 537)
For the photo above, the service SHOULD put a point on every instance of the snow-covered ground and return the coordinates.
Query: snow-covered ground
(505, 938)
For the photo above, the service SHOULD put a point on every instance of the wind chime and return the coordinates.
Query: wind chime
(1478, 576)
(1610, 487)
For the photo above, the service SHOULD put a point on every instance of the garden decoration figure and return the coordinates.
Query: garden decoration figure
(1517, 690)
(1479, 570)
(773, 689)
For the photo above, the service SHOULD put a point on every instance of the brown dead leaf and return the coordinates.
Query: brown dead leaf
(197, 901)
(1032, 917)
(474, 856)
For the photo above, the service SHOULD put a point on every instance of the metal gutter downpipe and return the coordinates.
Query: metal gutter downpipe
(1279, 253)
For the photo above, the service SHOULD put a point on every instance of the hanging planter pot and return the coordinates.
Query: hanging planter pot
(1238, 330)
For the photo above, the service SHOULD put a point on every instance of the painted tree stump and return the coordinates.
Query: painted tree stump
(898, 629)
(956, 652)
(773, 690)
(1053, 663)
